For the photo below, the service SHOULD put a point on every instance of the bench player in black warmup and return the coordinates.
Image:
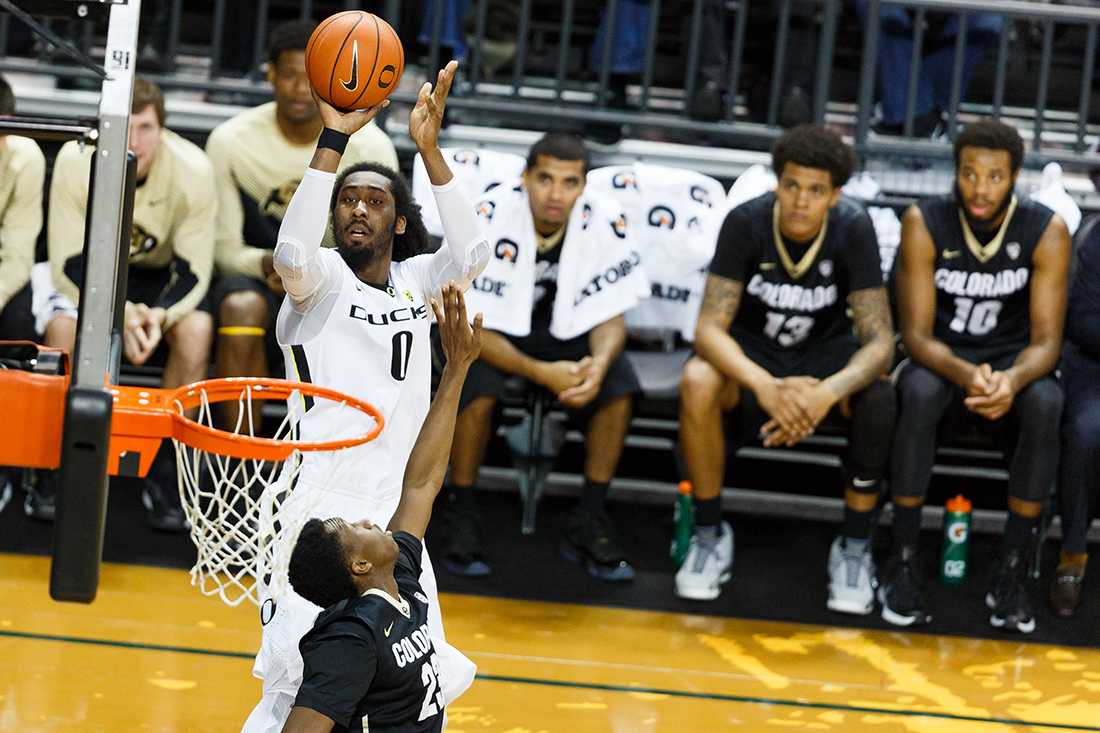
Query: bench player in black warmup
(981, 284)
(369, 660)
(775, 341)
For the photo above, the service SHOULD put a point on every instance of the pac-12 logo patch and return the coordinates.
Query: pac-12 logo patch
(662, 217)
(825, 267)
(507, 250)
(1013, 249)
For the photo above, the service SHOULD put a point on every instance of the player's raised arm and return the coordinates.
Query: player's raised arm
(303, 225)
(428, 461)
(467, 250)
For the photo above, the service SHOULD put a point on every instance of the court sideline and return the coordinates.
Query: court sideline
(151, 654)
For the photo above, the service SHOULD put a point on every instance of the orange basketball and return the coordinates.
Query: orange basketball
(354, 60)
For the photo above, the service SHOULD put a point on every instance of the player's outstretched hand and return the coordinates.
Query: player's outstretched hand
(427, 116)
(461, 341)
(348, 123)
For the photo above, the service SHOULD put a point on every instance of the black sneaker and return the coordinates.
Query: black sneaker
(162, 508)
(901, 592)
(1007, 596)
(590, 540)
(462, 550)
(41, 501)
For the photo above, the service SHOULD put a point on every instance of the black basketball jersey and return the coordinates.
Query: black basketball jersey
(983, 293)
(369, 661)
(795, 294)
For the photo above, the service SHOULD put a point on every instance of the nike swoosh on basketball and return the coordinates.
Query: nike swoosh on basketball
(950, 254)
(352, 83)
(389, 629)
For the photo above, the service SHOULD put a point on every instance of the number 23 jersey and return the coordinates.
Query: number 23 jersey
(983, 293)
(370, 664)
(371, 341)
(795, 294)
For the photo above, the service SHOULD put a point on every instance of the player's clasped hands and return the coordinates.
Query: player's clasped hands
(989, 394)
(461, 340)
(797, 405)
(142, 331)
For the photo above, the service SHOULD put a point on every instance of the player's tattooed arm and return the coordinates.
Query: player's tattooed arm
(721, 299)
(713, 342)
(871, 314)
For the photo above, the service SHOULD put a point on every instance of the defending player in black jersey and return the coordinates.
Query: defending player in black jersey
(982, 298)
(775, 341)
(370, 662)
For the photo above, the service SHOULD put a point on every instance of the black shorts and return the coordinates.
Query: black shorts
(485, 380)
(822, 360)
(17, 319)
(146, 284)
(229, 284)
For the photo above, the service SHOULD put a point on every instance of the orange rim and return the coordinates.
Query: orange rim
(222, 442)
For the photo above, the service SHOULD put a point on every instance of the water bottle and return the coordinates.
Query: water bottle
(956, 532)
(683, 523)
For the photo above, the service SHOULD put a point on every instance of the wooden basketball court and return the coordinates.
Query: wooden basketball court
(151, 654)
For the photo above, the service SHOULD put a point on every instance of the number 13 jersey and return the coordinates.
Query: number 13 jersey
(371, 341)
(795, 295)
(983, 293)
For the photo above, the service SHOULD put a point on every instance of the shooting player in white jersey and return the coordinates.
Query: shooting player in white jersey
(369, 659)
(356, 319)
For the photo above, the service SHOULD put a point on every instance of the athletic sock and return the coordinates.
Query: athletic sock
(857, 525)
(593, 496)
(1017, 532)
(906, 525)
(708, 512)
(461, 498)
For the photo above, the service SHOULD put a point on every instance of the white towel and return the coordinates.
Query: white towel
(476, 170)
(1052, 194)
(599, 274)
(885, 220)
(676, 215)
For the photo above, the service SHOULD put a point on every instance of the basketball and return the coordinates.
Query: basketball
(354, 60)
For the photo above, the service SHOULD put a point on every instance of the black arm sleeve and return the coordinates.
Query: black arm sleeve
(864, 261)
(731, 254)
(340, 663)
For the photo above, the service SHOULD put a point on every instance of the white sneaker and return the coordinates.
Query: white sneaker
(851, 579)
(707, 566)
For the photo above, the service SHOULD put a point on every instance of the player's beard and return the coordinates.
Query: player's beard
(360, 257)
(983, 225)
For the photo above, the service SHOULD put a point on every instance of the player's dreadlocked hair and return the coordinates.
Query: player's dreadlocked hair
(415, 240)
(814, 146)
(291, 36)
(993, 135)
(318, 566)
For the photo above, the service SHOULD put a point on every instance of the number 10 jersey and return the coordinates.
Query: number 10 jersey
(983, 291)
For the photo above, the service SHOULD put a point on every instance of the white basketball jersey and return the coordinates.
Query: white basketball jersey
(372, 343)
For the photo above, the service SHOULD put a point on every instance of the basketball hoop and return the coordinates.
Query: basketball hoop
(237, 488)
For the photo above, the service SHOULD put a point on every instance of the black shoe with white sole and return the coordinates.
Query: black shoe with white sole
(901, 592)
(1007, 596)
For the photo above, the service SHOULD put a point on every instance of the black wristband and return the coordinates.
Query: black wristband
(333, 140)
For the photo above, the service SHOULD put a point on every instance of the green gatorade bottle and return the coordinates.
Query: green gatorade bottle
(683, 523)
(956, 532)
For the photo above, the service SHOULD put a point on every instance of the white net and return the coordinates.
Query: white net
(245, 513)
